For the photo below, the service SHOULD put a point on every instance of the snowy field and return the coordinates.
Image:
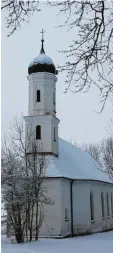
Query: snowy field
(97, 243)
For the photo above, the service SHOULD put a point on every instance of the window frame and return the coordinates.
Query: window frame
(38, 132)
(54, 134)
(107, 202)
(102, 205)
(111, 204)
(54, 97)
(92, 210)
(66, 214)
(38, 96)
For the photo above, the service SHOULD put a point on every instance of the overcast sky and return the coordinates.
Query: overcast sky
(77, 112)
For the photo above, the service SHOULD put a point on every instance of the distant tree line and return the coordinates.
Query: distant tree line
(102, 153)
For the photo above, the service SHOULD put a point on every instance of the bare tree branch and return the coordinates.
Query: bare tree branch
(18, 12)
(92, 47)
(102, 153)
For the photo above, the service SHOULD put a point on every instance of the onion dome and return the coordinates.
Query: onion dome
(42, 63)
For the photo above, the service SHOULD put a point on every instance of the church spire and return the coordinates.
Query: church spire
(42, 40)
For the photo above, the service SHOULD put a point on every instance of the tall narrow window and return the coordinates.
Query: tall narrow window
(66, 214)
(111, 204)
(107, 200)
(92, 206)
(38, 96)
(38, 132)
(54, 97)
(54, 134)
(102, 204)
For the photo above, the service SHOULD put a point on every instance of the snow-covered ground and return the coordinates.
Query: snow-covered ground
(97, 243)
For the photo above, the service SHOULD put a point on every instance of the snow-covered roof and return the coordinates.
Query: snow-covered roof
(42, 59)
(74, 163)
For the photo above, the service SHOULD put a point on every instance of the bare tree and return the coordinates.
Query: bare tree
(94, 150)
(37, 165)
(110, 125)
(23, 183)
(18, 12)
(92, 46)
(107, 155)
(102, 153)
(12, 191)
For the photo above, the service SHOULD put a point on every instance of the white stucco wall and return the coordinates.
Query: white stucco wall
(47, 123)
(59, 190)
(52, 214)
(81, 207)
(65, 204)
(45, 82)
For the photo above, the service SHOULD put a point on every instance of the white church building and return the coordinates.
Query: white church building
(82, 193)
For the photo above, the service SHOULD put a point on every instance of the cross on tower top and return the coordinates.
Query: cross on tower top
(42, 40)
(42, 33)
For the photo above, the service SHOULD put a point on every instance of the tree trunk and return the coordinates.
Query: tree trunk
(26, 224)
(19, 236)
(36, 235)
(30, 235)
(31, 223)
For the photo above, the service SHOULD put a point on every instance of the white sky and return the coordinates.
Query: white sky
(77, 112)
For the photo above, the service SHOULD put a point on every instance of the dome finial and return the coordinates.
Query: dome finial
(42, 40)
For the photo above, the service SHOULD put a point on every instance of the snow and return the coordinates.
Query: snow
(97, 243)
(74, 163)
(42, 59)
(3, 211)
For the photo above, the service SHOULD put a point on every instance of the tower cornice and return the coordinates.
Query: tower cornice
(41, 75)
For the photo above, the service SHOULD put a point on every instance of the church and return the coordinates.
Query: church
(82, 193)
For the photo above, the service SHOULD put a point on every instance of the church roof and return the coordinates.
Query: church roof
(42, 63)
(74, 163)
(41, 59)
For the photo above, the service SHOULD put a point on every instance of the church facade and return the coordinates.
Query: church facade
(82, 193)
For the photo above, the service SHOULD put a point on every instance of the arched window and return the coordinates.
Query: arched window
(111, 204)
(102, 204)
(54, 134)
(107, 200)
(38, 96)
(38, 132)
(92, 206)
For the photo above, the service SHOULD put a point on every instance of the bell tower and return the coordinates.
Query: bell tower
(42, 102)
